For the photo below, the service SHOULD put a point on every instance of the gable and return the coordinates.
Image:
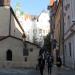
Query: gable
(16, 28)
(9, 24)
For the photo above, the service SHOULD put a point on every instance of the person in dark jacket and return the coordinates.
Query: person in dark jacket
(59, 62)
(50, 64)
(41, 64)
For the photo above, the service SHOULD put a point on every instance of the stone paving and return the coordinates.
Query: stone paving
(18, 72)
(55, 71)
(61, 71)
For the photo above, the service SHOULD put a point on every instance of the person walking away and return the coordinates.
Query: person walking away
(41, 64)
(59, 62)
(50, 63)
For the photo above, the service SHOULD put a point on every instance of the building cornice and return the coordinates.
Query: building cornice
(32, 44)
(11, 10)
(69, 32)
(5, 37)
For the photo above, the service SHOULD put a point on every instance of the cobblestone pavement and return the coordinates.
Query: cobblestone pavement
(55, 71)
(60, 71)
(18, 72)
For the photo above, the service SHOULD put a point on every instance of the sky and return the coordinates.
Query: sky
(33, 7)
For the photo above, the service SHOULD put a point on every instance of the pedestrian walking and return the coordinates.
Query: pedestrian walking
(58, 61)
(50, 64)
(41, 64)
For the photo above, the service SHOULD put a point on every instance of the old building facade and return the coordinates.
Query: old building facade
(69, 32)
(58, 31)
(12, 49)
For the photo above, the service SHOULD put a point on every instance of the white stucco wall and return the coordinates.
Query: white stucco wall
(73, 9)
(15, 29)
(18, 60)
(4, 20)
(69, 60)
(69, 36)
(16, 46)
(33, 56)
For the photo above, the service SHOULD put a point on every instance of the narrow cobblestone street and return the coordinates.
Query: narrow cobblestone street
(18, 72)
(61, 71)
(55, 71)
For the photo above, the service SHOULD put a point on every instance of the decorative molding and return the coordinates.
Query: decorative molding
(33, 44)
(11, 37)
(4, 38)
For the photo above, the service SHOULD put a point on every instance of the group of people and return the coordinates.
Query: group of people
(49, 61)
(41, 63)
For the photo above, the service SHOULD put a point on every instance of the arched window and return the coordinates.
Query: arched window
(9, 55)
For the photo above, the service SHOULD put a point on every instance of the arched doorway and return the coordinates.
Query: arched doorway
(9, 55)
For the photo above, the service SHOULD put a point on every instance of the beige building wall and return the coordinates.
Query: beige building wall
(14, 43)
(33, 56)
(57, 30)
(7, 21)
(15, 29)
(18, 60)
(16, 46)
(4, 20)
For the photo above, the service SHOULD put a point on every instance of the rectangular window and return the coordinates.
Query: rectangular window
(67, 7)
(25, 52)
(70, 48)
(65, 50)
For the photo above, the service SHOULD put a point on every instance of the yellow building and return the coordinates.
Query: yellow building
(58, 31)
